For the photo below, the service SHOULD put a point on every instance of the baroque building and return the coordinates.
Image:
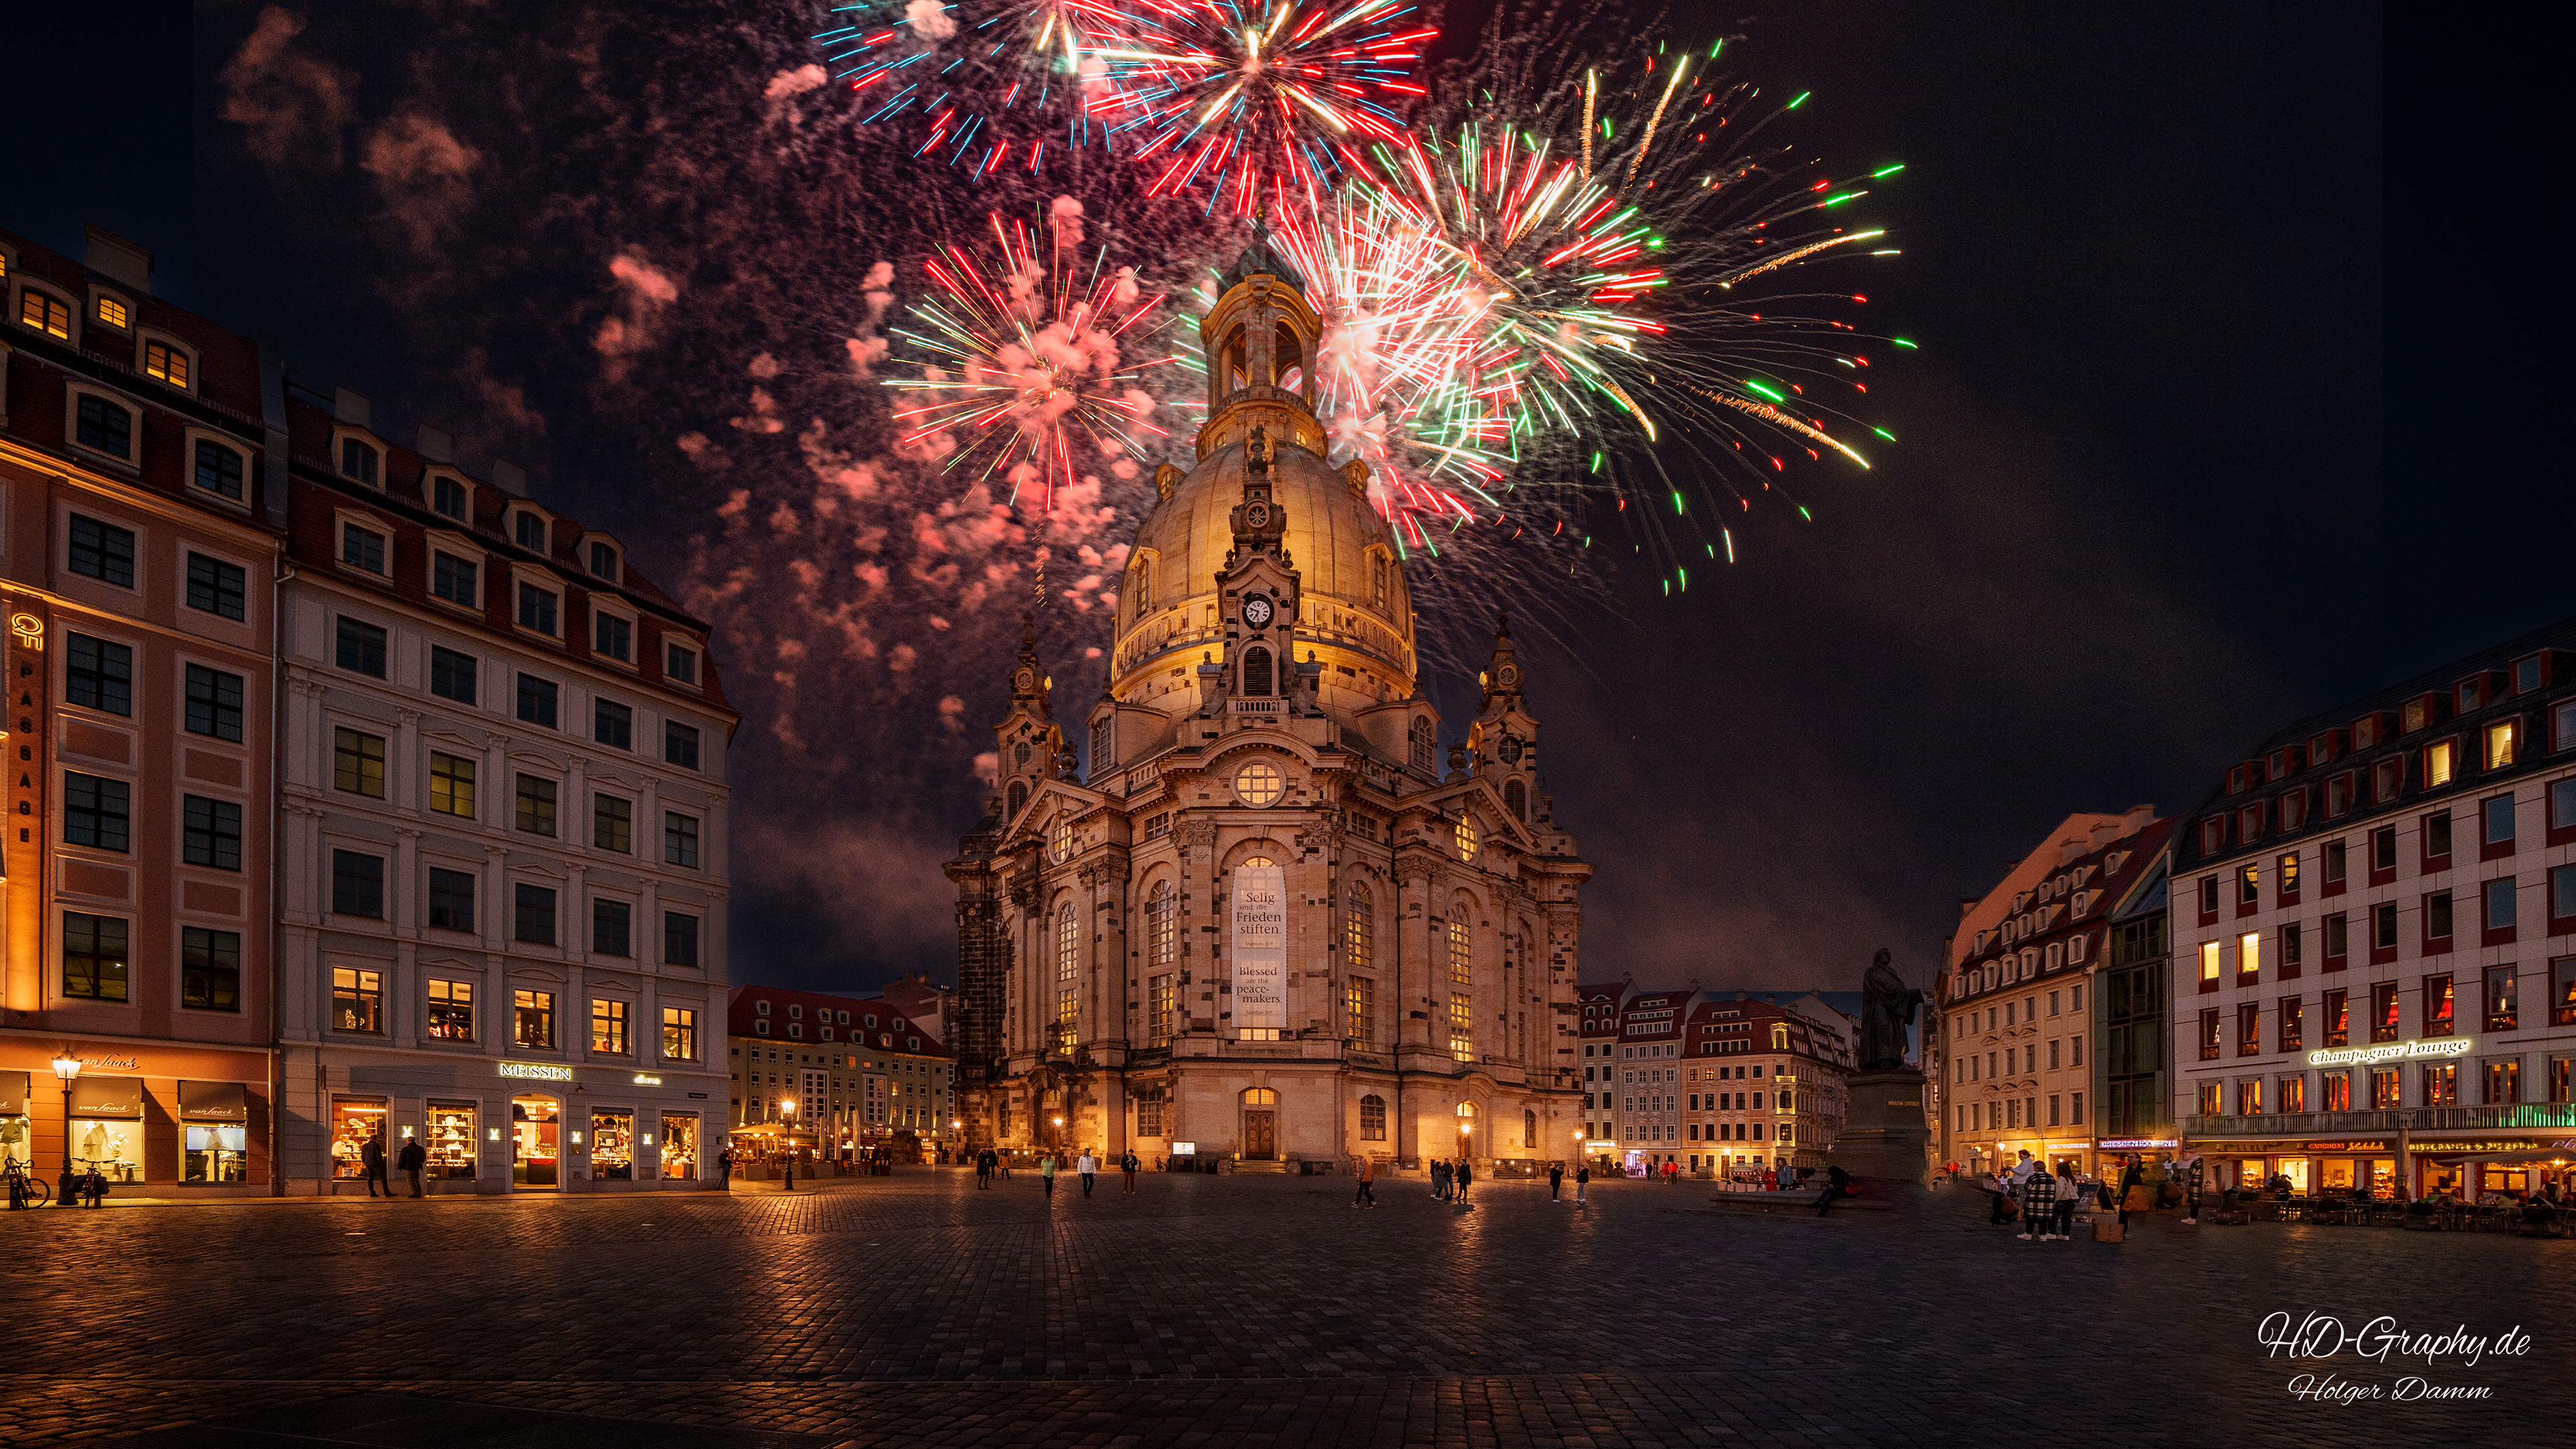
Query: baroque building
(1266, 925)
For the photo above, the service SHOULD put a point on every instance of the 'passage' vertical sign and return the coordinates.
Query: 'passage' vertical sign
(1260, 909)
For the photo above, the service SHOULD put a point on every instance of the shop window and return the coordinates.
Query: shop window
(679, 1148)
(536, 1149)
(612, 1144)
(532, 1020)
(213, 1152)
(449, 1141)
(451, 1010)
(209, 969)
(94, 956)
(355, 1121)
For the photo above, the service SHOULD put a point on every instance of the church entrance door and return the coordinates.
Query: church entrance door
(1260, 1136)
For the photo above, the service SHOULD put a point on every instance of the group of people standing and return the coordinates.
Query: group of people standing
(1451, 1179)
(1086, 1167)
(2043, 1201)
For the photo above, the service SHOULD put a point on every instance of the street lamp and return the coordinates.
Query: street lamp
(788, 1107)
(67, 1067)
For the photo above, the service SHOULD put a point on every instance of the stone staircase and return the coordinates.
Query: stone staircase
(1274, 1168)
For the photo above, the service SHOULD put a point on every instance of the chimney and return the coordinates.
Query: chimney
(118, 260)
(2138, 818)
(1968, 903)
(510, 478)
(435, 445)
(352, 408)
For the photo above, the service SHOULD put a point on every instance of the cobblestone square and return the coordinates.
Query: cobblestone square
(1226, 1310)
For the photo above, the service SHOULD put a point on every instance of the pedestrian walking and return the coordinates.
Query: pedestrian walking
(724, 1169)
(1466, 1175)
(2069, 1190)
(1087, 1167)
(1127, 1166)
(1046, 1171)
(1555, 1180)
(371, 1161)
(1440, 1179)
(414, 1158)
(1367, 1195)
(1006, 1167)
(984, 1170)
(1582, 1180)
(1837, 1185)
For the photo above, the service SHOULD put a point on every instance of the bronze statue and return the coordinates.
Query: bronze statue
(1887, 1008)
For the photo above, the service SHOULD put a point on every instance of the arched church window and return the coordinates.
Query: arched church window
(1287, 359)
(1372, 1118)
(1162, 924)
(1516, 799)
(1462, 961)
(1068, 954)
(1060, 840)
(1529, 1129)
(1377, 581)
(1104, 744)
(1237, 372)
(1140, 587)
(1256, 671)
(1419, 737)
(1260, 1097)
(1467, 838)
(1359, 928)
(1019, 797)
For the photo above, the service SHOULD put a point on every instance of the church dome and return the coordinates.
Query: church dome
(1354, 617)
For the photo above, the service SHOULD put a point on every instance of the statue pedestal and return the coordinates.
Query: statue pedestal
(1884, 1133)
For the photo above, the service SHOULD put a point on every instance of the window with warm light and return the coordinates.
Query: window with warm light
(451, 1010)
(2438, 764)
(2208, 964)
(1068, 957)
(2249, 958)
(2500, 745)
(608, 1026)
(532, 1019)
(1467, 838)
(1060, 840)
(166, 363)
(114, 312)
(1462, 961)
(1462, 1028)
(1259, 783)
(45, 314)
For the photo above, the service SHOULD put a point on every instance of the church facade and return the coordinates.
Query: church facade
(1266, 925)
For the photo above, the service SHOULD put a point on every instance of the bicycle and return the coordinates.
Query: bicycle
(25, 1188)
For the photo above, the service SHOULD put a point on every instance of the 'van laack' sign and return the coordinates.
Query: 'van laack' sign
(1260, 910)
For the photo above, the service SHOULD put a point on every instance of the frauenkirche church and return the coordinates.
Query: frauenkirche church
(1268, 926)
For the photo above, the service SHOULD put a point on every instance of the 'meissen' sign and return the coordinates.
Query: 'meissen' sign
(1260, 915)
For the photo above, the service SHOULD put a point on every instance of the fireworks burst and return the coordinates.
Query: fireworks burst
(1021, 373)
(995, 85)
(1258, 101)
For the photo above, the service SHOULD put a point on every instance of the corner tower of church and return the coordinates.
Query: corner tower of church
(1262, 924)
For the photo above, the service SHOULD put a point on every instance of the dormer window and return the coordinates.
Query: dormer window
(2419, 713)
(448, 497)
(2467, 695)
(100, 425)
(680, 663)
(219, 469)
(2322, 748)
(615, 637)
(45, 313)
(603, 562)
(359, 462)
(113, 312)
(2279, 766)
(362, 548)
(529, 530)
(2365, 732)
(762, 1007)
(165, 363)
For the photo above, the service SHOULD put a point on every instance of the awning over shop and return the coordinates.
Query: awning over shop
(213, 1102)
(14, 1087)
(107, 1096)
(2503, 1156)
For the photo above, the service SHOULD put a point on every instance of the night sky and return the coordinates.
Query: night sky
(2151, 501)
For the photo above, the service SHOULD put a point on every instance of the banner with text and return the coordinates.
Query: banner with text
(1260, 908)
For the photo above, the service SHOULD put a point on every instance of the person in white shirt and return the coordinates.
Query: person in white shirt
(1089, 1167)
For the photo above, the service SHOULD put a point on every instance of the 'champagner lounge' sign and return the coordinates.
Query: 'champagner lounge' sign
(2431, 1048)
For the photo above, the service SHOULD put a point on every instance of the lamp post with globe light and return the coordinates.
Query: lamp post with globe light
(787, 1109)
(67, 1067)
